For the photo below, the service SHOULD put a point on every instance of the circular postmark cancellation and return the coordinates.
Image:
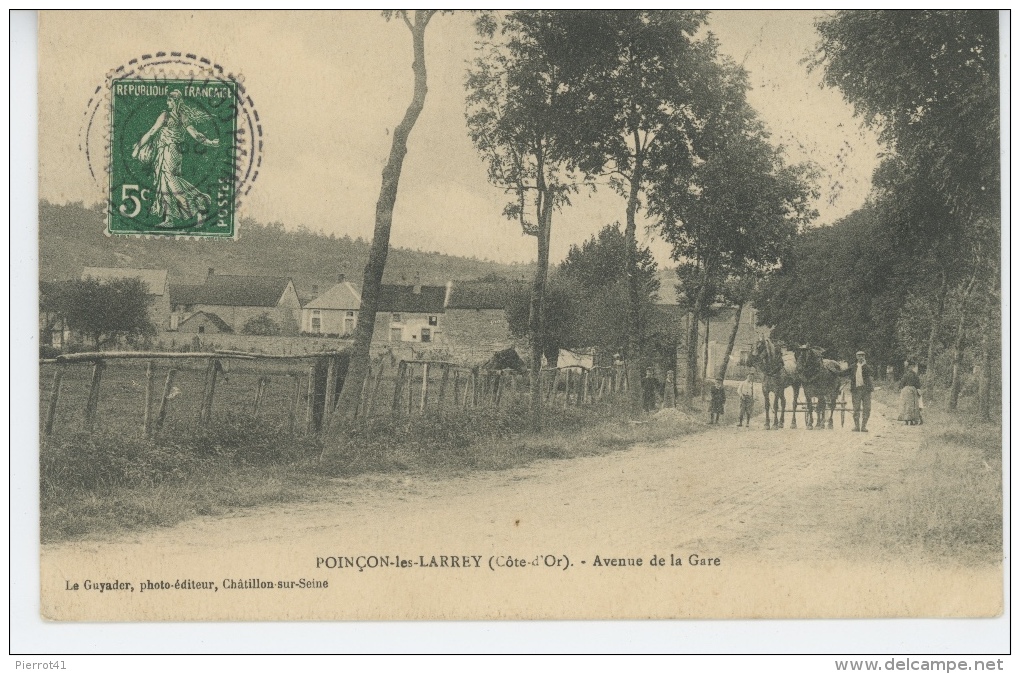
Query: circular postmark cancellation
(181, 146)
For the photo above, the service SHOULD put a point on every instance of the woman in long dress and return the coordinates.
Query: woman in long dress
(910, 395)
(176, 200)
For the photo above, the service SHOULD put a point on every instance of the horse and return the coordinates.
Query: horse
(777, 375)
(507, 359)
(820, 378)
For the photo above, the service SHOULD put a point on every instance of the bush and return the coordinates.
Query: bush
(262, 325)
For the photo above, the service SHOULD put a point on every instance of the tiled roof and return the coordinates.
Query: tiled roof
(482, 294)
(232, 291)
(220, 324)
(403, 299)
(341, 296)
(155, 279)
(185, 294)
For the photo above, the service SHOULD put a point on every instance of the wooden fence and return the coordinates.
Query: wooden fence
(300, 391)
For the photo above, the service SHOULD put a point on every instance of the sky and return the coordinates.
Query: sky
(330, 87)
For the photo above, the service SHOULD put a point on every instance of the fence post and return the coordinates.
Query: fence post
(584, 389)
(310, 402)
(669, 395)
(164, 401)
(442, 386)
(260, 392)
(295, 397)
(498, 392)
(398, 388)
(330, 401)
(424, 387)
(474, 386)
(147, 413)
(51, 413)
(410, 389)
(92, 404)
(205, 413)
(456, 388)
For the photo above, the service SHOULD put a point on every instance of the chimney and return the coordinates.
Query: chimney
(449, 291)
(417, 284)
(340, 278)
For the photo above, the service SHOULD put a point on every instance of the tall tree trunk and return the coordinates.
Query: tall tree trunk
(732, 341)
(537, 310)
(634, 363)
(704, 367)
(929, 366)
(372, 280)
(985, 380)
(990, 326)
(692, 342)
(957, 380)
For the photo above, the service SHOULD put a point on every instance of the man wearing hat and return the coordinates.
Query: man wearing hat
(860, 392)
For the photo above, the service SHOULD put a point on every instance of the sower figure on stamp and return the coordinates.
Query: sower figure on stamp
(861, 387)
(745, 393)
(176, 199)
(718, 402)
(649, 390)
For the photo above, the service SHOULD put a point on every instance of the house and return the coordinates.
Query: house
(156, 280)
(203, 323)
(53, 329)
(334, 312)
(236, 299)
(476, 321)
(410, 314)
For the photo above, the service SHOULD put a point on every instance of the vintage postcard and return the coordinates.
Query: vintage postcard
(496, 315)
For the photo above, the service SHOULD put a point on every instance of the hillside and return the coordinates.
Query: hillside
(71, 238)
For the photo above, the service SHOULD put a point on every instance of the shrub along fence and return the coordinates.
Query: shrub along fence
(156, 392)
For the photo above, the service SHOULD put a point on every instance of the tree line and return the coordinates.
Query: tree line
(915, 273)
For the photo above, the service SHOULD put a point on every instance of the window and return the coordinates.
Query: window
(348, 326)
(396, 335)
(201, 329)
(350, 314)
(433, 320)
(426, 335)
(396, 318)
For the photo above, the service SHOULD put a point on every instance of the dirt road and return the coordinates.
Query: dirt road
(777, 509)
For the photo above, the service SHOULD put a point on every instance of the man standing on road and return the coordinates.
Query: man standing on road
(860, 392)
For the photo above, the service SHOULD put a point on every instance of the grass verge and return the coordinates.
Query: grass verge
(111, 482)
(948, 506)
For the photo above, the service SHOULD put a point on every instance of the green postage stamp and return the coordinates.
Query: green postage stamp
(172, 157)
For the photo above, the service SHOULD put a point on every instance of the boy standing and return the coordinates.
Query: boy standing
(746, 394)
(715, 408)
